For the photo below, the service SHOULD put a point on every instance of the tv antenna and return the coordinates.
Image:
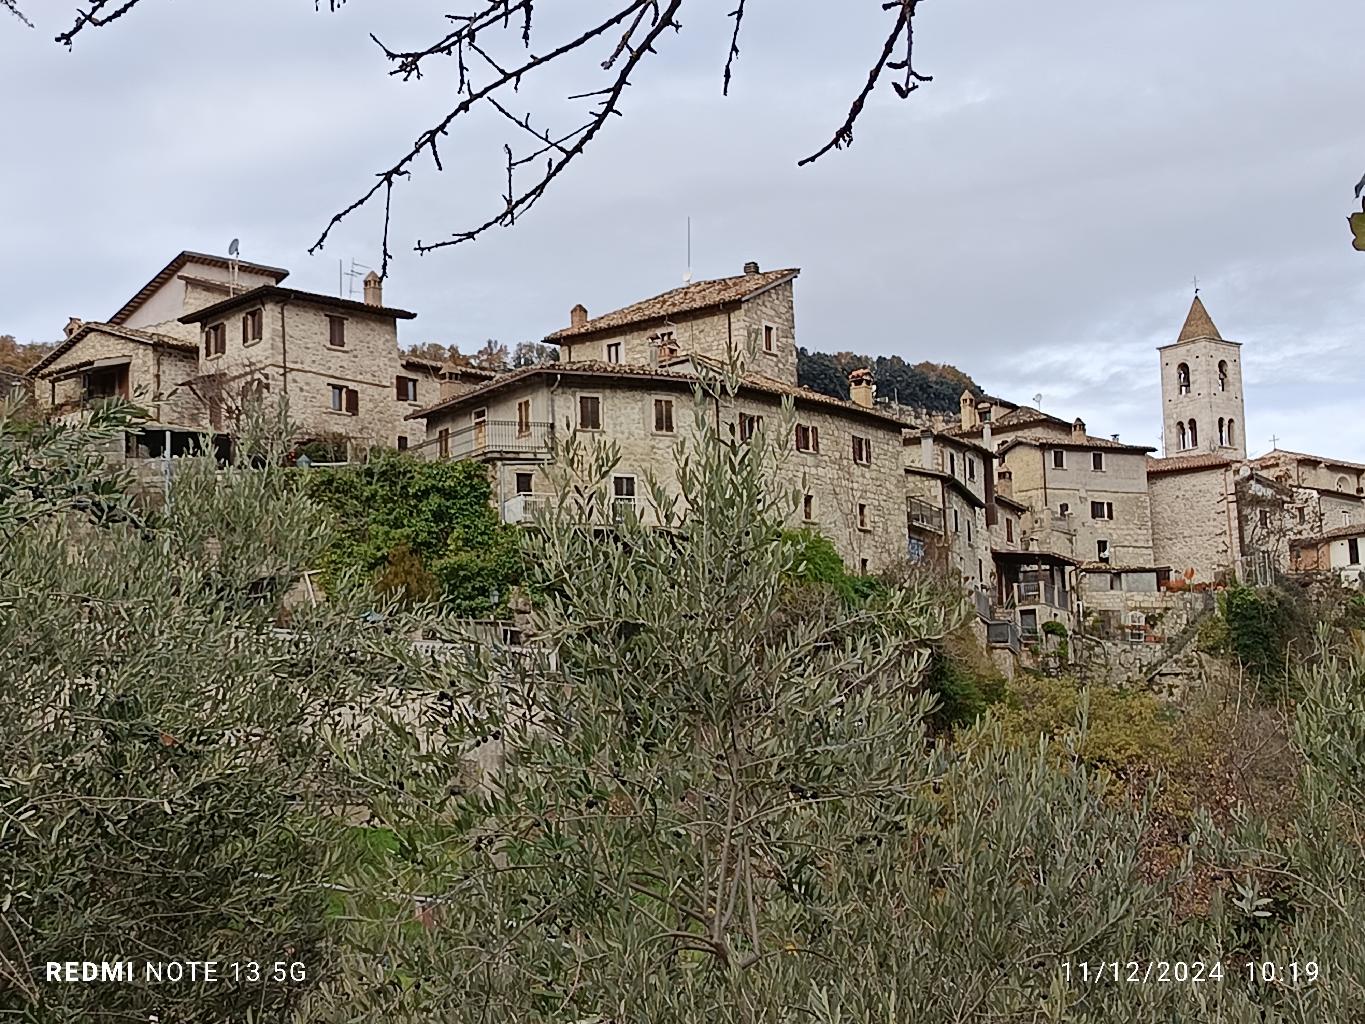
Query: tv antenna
(234, 250)
(357, 270)
(687, 277)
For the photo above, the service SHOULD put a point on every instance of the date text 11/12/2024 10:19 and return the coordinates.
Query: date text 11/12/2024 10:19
(1091, 972)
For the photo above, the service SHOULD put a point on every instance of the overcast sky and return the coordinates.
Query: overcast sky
(1035, 216)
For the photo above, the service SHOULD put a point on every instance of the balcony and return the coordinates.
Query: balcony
(1004, 633)
(490, 440)
(921, 515)
(522, 508)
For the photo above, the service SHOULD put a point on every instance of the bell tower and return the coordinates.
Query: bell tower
(1201, 390)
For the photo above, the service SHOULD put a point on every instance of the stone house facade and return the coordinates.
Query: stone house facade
(751, 315)
(842, 459)
(955, 476)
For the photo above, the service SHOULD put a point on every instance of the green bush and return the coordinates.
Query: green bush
(1264, 628)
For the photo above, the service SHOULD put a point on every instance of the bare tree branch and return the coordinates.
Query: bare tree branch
(13, 7)
(485, 77)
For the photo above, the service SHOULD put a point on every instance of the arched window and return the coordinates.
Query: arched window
(1222, 375)
(1342, 484)
(1194, 434)
(1182, 378)
(1232, 441)
(1180, 433)
(1222, 432)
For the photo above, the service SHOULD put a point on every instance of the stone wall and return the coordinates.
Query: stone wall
(1194, 519)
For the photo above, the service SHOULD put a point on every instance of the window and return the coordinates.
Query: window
(981, 570)
(1194, 434)
(668, 348)
(1265, 517)
(523, 483)
(1182, 378)
(1009, 530)
(807, 438)
(969, 531)
(808, 508)
(623, 490)
(748, 425)
(1222, 432)
(1028, 621)
(1183, 441)
(1232, 441)
(215, 340)
(1222, 375)
(862, 566)
(1097, 462)
(1137, 627)
(862, 450)
(1115, 581)
(1058, 459)
(402, 443)
(345, 399)
(952, 464)
(253, 322)
(971, 468)
(1102, 551)
(663, 415)
(589, 412)
(443, 443)
(405, 388)
(864, 523)
(1303, 517)
(336, 331)
(1101, 510)
(1064, 509)
(523, 417)
(769, 339)
(613, 351)
(957, 523)
(1342, 484)
(1353, 551)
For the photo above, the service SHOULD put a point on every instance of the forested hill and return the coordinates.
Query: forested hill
(932, 386)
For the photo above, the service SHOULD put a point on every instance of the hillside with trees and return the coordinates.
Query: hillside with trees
(16, 357)
(936, 387)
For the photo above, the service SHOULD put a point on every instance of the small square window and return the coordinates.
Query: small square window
(523, 483)
(1058, 459)
(402, 443)
(589, 412)
(862, 566)
(663, 415)
(336, 331)
(613, 351)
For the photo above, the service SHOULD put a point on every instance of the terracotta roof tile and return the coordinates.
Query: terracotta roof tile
(1182, 463)
(1198, 324)
(119, 331)
(176, 265)
(687, 299)
(1088, 441)
(1275, 453)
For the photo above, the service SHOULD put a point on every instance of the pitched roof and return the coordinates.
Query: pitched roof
(1198, 324)
(272, 291)
(1275, 453)
(1337, 533)
(174, 267)
(1017, 418)
(629, 371)
(690, 298)
(1086, 442)
(1184, 463)
(130, 333)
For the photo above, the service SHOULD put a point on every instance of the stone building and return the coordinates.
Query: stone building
(843, 459)
(206, 332)
(1341, 551)
(1201, 390)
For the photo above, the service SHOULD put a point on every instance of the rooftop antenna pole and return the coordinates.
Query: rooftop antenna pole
(341, 288)
(687, 277)
(234, 250)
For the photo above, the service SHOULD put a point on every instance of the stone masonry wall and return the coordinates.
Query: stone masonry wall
(1190, 522)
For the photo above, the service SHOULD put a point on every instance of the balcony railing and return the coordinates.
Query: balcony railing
(522, 508)
(922, 515)
(1029, 593)
(1003, 633)
(489, 439)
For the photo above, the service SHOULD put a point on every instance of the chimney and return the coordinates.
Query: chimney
(73, 325)
(751, 267)
(926, 449)
(374, 289)
(968, 417)
(578, 316)
(861, 388)
(1078, 429)
(1004, 483)
(1114, 436)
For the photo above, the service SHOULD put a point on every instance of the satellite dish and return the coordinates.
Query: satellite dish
(235, 247)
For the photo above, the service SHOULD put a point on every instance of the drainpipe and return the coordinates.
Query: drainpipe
(284, 351)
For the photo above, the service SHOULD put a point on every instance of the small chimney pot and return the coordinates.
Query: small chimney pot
(374, 289)
(578, 316)
(751, 267)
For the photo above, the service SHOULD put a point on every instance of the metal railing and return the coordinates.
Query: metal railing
(488, 439)
(522, 508)
(1003, 633)
(920, 513)
(1037, 592)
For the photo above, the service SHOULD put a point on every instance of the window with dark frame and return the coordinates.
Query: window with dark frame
(1058, 458)
(523, 417)
(623, 490)
(336, 331)
(1353, 550)
(769, 338)
(443, 442)
(971, 468)
(523, 483)
(807, 438)
(1097, 462)
(345, 399)
(748, 426)
(663, 415)
(613, 351)
(808, 507)
(863, 521)
(215, 340)
(589, 412)
(253, 325)
(1102, 551)
(668, 348)
(405, 388)
(402, 443)
(862, 450)
(1009, 529)
(1101, 510)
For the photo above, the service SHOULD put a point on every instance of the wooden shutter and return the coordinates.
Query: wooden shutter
(352, 401)
(400, 387)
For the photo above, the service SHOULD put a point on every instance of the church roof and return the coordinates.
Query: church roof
(1198, 324)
